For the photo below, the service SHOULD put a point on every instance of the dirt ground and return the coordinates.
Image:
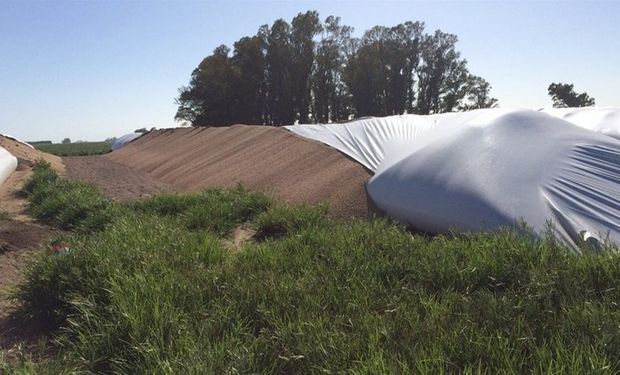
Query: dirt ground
(26, 157)
(116, 180)
(263, 158)
(19, 238)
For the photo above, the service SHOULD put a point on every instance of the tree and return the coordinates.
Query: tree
(286, 73)
(380, 72)
(364, 77)
(440, 75)
(304, 28)
(207, 99)
(477, 95)
(564, 96)
(66, 141)
(330, 94)
(444, 81)
(279, 83)
(248, 62)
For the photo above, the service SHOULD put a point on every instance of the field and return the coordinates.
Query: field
(76, 149)
(229, 281)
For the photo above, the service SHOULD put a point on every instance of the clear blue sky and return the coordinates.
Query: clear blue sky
(97, 69)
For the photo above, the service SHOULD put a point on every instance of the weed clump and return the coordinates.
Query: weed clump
(65, 204)
(216, 210)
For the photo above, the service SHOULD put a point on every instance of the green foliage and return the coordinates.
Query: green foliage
(331, 96)
(66, 204)
(76, 149)
(380, 73)
(167, 204)
(220, 211)
(148, 295)
(285, 74)
(564, 96)
(216, 210)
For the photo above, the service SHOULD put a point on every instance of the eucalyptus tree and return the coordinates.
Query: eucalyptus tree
(287, 71)
(331, 99)
(279, 62)
(249, 64)
(305, 26)
(205, 101)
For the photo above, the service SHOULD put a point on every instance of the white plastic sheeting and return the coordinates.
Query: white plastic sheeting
(605, 120)
(123, 140)
(486, 169)
(8, 163)
(16, 139)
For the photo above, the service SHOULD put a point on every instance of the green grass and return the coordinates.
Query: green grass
(217, 210)
(76, 149)
(152, 293)
(4, 215)
(66, 204)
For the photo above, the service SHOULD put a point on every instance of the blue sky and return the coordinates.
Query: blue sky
(97, 69)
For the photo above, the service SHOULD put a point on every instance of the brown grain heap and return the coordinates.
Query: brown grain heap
(263, 158)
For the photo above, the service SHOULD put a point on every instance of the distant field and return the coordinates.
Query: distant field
(76, 149)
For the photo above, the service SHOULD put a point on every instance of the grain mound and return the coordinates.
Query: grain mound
(267, 159)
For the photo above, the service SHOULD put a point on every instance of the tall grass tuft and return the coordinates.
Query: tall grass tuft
(216, 210)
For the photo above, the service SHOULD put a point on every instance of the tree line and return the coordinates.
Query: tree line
(312, 71)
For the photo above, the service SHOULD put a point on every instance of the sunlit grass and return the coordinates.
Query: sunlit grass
(151, 293)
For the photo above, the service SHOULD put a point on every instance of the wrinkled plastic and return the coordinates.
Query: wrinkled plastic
(604, 120)
(125, 139)
(487, 169)
(8, 164)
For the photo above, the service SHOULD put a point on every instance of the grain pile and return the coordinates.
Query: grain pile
(262, 158)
